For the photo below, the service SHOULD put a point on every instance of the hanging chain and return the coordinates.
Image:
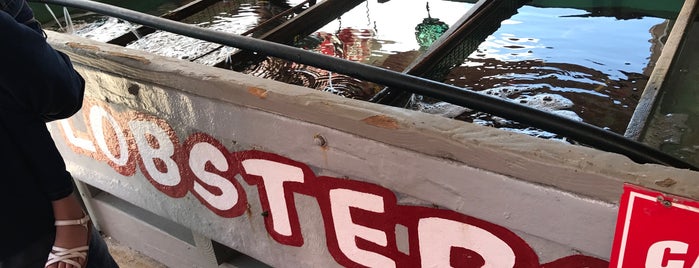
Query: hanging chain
(427, 5)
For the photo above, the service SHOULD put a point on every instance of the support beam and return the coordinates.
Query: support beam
(658, 77)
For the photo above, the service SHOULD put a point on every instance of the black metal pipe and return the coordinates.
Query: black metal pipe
(579, 131)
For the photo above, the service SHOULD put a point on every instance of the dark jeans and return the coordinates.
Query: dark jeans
(35, 256)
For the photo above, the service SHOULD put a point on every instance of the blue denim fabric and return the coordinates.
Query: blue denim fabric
(19, 9)
(98, 256)
(35, 256)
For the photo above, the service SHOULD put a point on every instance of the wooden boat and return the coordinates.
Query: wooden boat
(199, 166)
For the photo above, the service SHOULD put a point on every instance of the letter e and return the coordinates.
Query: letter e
(346, 231)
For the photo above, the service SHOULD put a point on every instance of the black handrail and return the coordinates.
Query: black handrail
(578, 131)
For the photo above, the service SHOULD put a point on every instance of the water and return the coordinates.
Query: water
(95, 26)
(235, 17)
(102, 29)
(226, 16)
(370, 33)
(153, 7)
(591, 69)
(561, 60)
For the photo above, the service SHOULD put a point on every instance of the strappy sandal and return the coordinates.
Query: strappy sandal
(59, 254)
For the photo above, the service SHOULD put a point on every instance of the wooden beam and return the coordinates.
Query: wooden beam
(637, 125)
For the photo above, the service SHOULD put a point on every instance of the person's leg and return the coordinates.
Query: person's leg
(98, 256)
(34, 256)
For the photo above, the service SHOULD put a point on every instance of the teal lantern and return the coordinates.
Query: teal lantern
(429, 30)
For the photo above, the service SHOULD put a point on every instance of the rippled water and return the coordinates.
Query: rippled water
(103, 29)
(99, 27)
(226, 16)
(560, 60)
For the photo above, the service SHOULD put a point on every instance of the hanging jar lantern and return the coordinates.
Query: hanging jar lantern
(429, 30)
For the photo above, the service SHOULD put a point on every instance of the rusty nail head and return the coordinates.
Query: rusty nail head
(664, 202)
(319, 140)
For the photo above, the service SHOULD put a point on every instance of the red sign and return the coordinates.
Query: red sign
(655, 230)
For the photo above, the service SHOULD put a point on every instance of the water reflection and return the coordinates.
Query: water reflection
(236, 17)
(585, 68)
(369, 33)
(569, 90)
(590, 69)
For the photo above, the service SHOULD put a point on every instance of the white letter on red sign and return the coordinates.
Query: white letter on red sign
(273, 176)
(437, 236)
(82, 143)
(346, 231)
(656, 254)
(201, 154)
(163, 153)
(97, 117)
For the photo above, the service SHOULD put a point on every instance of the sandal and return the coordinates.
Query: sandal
(59, 254)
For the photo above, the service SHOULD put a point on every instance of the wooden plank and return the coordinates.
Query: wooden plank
(658, 77)
(138, 232)
(243, 261)
(87, 194)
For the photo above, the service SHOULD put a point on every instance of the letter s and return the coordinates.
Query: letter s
(215, 184)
